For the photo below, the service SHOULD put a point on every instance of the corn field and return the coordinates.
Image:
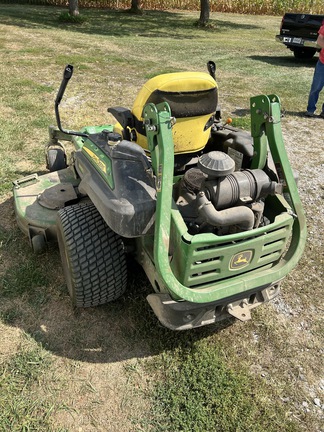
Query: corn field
(258, 7)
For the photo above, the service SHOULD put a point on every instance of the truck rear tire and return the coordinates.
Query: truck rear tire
(304, 53)
(93, 257)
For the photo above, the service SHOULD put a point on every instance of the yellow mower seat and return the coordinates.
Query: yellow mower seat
(192, 97)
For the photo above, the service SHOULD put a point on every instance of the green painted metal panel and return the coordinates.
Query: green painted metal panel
(26, 191)
(263, 248)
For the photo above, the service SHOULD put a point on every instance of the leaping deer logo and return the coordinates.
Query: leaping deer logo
(241, 260)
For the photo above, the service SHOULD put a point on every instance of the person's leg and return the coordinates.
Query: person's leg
(317, 85)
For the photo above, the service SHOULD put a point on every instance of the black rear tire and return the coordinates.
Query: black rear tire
(92, 255)
(304, 53)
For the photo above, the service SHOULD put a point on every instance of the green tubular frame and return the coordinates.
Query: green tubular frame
(266, 131)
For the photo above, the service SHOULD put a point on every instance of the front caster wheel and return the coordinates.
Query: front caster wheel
(55, 159)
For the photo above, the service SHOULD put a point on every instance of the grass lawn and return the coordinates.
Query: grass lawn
(114, 368)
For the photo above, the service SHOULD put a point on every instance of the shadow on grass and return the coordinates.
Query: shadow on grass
(286, 61)
(34, 298)
(113, 22)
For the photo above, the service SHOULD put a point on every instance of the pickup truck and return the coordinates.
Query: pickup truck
(299, 33)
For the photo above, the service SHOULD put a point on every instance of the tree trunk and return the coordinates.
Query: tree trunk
(136, 7)
(204, 12)
(74, 7)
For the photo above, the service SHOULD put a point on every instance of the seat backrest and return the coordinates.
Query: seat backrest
(192, 97)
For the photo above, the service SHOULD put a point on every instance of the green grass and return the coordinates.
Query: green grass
(229, 377)
(23, 278)
(200, 381)
(198, 391)
(23, 407)
(65, 17)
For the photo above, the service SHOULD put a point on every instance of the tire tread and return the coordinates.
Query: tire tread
(93, 256)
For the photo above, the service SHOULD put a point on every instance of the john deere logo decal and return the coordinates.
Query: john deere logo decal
(96, 159)
(240, 260)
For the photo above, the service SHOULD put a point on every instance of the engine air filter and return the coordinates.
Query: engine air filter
(216, 164)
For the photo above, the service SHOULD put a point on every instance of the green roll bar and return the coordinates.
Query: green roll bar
(266, 131)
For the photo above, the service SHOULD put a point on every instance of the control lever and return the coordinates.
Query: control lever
(211, 66)
(68, 72)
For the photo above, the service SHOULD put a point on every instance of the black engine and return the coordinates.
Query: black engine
(213, 197)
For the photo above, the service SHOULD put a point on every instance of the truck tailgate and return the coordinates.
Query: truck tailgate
(300, 25)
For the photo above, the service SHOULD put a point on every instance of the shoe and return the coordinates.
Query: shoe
(309, 114)
(322, 114)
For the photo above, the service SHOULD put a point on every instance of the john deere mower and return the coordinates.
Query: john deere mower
(211, 212)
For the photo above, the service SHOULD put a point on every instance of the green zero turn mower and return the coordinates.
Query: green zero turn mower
(211, 212)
